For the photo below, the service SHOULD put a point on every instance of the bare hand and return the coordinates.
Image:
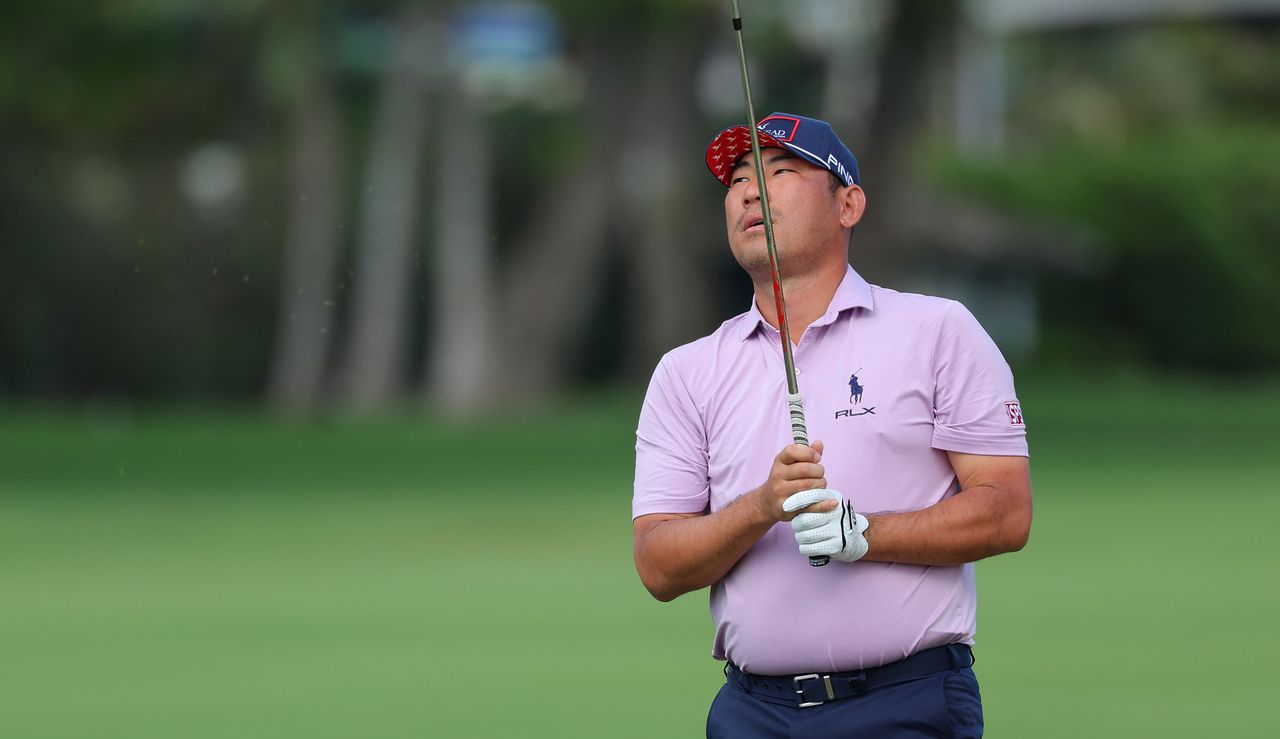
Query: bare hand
(795, 469)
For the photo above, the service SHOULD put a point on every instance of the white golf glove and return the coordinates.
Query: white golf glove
(836, 533)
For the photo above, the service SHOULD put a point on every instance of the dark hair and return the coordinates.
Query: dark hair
(836, 182)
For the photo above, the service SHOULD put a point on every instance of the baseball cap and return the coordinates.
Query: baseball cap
(808, 138)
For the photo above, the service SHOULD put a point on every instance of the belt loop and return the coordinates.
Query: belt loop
(857, 683)
(956, 654)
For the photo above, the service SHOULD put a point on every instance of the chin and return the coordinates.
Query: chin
(754, 262)
(750, 245)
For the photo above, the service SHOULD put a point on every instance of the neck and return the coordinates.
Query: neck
(807, 296)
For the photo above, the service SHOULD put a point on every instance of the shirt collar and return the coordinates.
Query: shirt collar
(853, 292)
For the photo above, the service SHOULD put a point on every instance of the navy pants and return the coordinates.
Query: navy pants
(942, 704)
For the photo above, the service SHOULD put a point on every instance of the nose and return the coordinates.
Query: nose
(750, 192)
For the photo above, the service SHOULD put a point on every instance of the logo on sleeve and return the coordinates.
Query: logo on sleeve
(855, 398)
(1015, 413)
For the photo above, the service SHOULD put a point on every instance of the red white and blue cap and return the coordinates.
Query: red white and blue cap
(808, 138)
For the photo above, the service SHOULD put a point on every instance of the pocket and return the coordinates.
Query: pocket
(964, 703)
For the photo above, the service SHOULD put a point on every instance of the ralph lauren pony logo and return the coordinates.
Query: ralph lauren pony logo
(855, 390)
(855, 398)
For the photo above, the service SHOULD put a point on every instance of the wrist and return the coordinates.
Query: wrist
(765, 511)
(869, 535)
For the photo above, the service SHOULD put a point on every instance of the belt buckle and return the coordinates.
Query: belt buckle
(826, 682)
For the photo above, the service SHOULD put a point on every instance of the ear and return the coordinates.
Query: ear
(853, 202)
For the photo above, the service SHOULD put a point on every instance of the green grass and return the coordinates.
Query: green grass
(211, 574)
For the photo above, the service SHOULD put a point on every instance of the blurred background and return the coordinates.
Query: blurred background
(324, 329)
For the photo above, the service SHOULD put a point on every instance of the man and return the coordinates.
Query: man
(914, 475)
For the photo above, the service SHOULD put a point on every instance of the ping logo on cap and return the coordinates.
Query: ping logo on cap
(781, 127)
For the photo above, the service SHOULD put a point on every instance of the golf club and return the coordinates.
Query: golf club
(795, 406)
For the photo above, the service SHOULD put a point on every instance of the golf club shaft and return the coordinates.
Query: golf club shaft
(795, 406)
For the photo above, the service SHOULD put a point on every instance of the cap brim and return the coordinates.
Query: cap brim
(729, 145)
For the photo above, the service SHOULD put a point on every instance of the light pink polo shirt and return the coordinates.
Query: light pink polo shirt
(715, 416)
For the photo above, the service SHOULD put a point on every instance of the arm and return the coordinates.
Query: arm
(990, 515)
(679, 553)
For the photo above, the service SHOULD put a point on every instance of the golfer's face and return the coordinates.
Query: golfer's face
(800, 200)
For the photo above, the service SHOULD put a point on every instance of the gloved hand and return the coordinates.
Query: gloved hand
(836, 533)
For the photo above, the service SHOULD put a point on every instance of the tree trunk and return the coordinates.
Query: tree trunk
(554, 279)
(669, 301)
(915, 35)
(311, 249)
(462, 371)
(374, 369)
(849, 82)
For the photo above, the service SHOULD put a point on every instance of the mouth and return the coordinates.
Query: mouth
(752, 222)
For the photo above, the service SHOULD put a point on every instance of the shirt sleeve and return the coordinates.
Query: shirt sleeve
(975, 408)
(671, 448)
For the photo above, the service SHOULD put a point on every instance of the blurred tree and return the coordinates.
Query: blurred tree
(298, 67)
(464, 372)
(501, 55)
(913, 53)
(1189, 223)
(124, 181)
(670, 302)
(374, 364)
(551, 279)
(638, 129)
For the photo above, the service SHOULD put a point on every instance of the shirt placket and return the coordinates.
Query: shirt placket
(772, 354)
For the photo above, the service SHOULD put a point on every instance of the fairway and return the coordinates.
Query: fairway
(211, 574)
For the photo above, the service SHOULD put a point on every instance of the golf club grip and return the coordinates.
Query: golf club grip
(795, 408)
(800, 434)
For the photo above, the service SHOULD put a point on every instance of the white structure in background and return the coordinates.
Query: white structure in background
(512, 52)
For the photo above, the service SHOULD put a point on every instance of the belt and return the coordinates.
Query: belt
(816, 688)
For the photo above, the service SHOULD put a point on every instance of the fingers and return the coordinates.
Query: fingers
(826, 547)
(802, 471)
(818, 505)
(821, 532)
(807, 498)
(812, 519)
(791, 487)
(797, 469)
(793, 453)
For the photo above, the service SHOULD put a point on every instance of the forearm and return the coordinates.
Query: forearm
(679, 555)
(977, 522)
